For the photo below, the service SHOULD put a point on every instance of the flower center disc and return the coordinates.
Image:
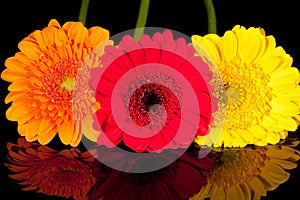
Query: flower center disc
(234, 96)
(154, 103)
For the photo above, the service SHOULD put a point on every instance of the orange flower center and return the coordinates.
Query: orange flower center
(59, 81)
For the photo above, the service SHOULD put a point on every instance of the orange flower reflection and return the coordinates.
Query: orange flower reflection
(66, 173)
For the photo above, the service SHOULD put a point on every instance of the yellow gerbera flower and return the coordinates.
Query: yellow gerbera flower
(262, 89)
(42, 77)
(248, 173)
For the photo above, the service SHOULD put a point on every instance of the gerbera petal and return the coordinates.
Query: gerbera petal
(248, 173)
(275, 175)
(131, 55)
(77, 32)
(284, 164)
(96, 36)
(246, 57)
(206, 45)
(41, 77)
(54, 23)
(30, 49)
(66, 131)
(46, 138)
(230, 45)
(236, 193)
(257, 186)
(285, 123)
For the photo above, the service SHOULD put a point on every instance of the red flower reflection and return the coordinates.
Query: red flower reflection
(180, 180)
(152, 93)
(67, 173)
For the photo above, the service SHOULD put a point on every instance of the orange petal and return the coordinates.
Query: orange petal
(16, 65)
(31, 50)
(54, 23)
(11, 76)
(49, 35)
(12, 96)
(66, 132)
(46, 138)
(78, 33)
(17, 110)
(45, 125)
(40, 40)
(19, 85)
(60, 37)
(96, 36)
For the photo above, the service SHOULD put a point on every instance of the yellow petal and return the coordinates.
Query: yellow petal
(257, 186)
(274, 174)
(203, 192)
(286, 123)
(236, 192)
(230, 46)
(250, 44)
(284, 163)
(272, 137)
(208, 45)
(284, 107)
(218, 193)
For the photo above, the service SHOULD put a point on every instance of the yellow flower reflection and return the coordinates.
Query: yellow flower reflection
(248, 173)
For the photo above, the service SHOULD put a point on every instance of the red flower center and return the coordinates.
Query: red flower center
(153, 102)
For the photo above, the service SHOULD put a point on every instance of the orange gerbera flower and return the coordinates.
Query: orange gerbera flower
(66, 173)
(42, 77)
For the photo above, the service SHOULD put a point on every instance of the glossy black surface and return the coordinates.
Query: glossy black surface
(19, 18)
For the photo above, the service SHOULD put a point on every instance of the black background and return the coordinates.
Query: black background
(19, 18)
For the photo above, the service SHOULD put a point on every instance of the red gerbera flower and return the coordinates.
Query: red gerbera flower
(180, 180)
(154, 93)
(67, 173)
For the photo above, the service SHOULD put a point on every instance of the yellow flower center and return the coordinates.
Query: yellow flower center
(236, 166)
(227, 156)
(247, 93)
(234, 96)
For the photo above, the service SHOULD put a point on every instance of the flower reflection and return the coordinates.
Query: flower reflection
(180, 180)
(248, 173)
(66, 173)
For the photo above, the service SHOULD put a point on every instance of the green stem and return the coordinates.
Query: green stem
(211, 16)
(142, 18)
(83, 11)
